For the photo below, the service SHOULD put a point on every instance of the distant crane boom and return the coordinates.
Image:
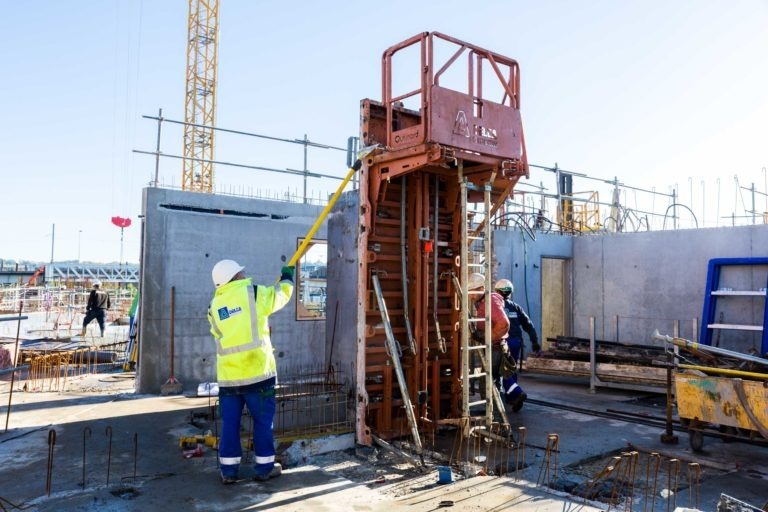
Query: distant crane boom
(200, 102)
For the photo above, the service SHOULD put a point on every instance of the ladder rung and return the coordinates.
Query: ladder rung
(476, 347)
(760, 293)
(477, 375)
(479, 402)
(738, 327)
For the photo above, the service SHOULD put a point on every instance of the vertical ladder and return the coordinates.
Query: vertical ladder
(481, 263)
(713, 292)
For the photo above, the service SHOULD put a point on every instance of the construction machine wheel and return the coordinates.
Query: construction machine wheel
(696, 439)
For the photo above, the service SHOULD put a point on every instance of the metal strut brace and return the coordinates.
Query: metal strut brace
(396, 361)
(440, 338)
(404, 268)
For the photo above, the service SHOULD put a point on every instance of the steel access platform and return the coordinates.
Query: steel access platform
(451, 149)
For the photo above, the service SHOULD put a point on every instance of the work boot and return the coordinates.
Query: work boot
(277, 470)
(518, 404)
(228, 479)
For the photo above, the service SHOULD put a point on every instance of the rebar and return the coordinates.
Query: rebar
(693, 467)
(613, 468)
(607, 470)
(553, 446)
(634, 457)
(135, 453)
(672, 496)
(108, 432)
(653, 456)
(520, 447)
(626, 479)
(51, 446)
(86, 434)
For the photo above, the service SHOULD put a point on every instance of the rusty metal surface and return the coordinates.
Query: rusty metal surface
(466, 119)
(716, 400)
(422, 149)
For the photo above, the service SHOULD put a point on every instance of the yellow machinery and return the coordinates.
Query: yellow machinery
(207, 439)
(739, 407)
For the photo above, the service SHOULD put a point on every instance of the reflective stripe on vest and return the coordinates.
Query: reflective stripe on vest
(243, 355)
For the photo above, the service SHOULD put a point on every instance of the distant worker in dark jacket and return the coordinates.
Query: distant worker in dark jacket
(98, 304)
(518, 322)
(245, 363)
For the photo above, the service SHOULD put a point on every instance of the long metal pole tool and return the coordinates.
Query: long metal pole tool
(308, 237)
(394, 350)
(692, 345)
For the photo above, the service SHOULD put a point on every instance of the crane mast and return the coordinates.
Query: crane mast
(200, 101)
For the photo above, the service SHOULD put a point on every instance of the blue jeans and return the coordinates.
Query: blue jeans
(261, 405)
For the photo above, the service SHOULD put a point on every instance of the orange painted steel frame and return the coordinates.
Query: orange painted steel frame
(423, 150)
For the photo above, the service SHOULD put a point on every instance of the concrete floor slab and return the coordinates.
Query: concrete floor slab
(147, 470)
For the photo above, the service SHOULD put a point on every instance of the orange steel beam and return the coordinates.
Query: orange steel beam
(421, 148)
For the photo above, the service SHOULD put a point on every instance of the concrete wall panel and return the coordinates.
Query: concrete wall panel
(634, 283)
(184, 235)
(343, 269)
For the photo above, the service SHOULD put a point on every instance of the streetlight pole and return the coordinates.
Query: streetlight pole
(53, 240)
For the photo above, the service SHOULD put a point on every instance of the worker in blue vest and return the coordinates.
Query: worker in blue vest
(518, 322)
(245, 363)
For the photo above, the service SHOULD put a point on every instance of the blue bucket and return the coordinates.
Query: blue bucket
(444, 475)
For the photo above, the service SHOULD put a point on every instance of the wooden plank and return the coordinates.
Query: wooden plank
(608, 372)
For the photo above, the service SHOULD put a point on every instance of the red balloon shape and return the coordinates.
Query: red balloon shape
(121, 222)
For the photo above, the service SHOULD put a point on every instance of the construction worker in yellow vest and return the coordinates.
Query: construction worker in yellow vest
(245, 363)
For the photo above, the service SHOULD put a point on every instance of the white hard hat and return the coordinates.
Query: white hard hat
(476, 280)
(505, 285)
(224, 271)
(96, 282)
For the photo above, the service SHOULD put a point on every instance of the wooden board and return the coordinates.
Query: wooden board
(608, 372)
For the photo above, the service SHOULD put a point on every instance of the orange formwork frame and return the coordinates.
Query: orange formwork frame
(410, 232)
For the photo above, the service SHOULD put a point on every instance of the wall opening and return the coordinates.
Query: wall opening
(311, 281)
(555, 299)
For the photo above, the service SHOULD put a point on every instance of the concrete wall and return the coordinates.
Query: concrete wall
(518, 258)
(343, 272)
(633, 283)
(184, 234)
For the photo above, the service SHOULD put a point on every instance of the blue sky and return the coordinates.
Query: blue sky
(656, 93)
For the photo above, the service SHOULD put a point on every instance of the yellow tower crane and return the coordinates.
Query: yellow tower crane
(200, 102)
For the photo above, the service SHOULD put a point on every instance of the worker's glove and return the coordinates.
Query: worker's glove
(536, 349)
(508, 366)
(286, 273)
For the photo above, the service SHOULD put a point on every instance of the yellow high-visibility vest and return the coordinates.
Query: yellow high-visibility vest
(239, 324)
